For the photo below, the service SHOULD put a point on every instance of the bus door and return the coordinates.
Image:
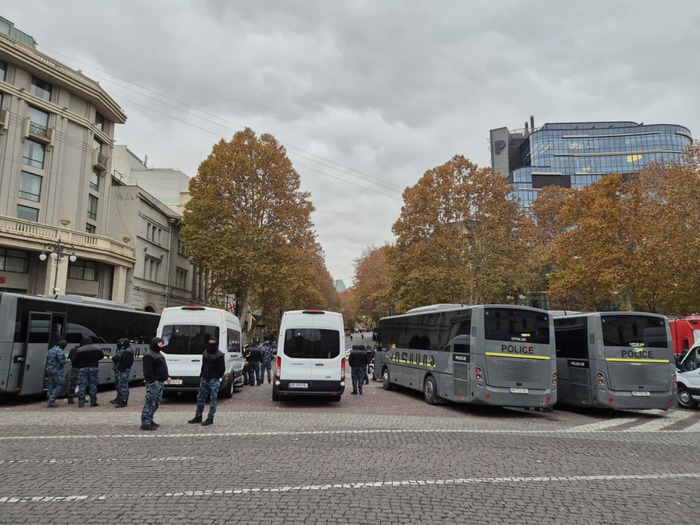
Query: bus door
(43, 331)
(461, 363)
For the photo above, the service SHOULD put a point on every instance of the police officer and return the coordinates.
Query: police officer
(87, 361)
(72, 377)
(55, 361)
(246, 351)
(254, 359)
(370, 355)
(155, 371)
(266, 365)
(213, 368)
(122, 370)
(358, 363)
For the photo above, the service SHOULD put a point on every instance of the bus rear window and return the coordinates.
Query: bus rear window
(184, 339)
(311, 343)
(634, 330)
(506, 324)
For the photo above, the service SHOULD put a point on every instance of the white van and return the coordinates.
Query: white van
(310, 355)
(688, 375)
(185, 331)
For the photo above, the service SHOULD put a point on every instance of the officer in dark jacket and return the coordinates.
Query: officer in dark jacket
(123, 360)
(358, 363)
(72, 376)
(155, 372)
(254, 360)
(87, 361)
(213, 367)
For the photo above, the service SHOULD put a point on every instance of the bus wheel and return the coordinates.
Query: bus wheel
(386, 379)
(430, 390)
(685, 400)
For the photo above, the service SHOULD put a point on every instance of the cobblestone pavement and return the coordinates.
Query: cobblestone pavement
(383, 457)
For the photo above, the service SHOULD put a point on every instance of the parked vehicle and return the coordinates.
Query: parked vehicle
(688, 377)
(310, 355)
(185, 331)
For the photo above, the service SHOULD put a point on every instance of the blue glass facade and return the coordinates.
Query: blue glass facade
(576, 154)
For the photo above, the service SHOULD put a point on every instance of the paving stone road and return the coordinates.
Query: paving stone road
(383, 457)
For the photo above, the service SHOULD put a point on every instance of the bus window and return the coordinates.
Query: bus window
(633, 330)
(571, 337)
(510, 324)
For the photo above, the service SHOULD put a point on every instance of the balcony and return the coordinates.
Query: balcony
(100, 161)
(38, 132)
(32, 236)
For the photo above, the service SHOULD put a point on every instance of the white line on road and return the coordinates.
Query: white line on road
(5, 500)
(593, 427)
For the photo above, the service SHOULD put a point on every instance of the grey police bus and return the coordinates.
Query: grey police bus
(500, 355)
(615, 360)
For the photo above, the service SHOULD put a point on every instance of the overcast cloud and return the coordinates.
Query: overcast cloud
(368, 95)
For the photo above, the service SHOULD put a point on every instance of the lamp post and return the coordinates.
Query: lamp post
(57, 251)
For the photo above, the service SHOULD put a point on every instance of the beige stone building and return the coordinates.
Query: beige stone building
(70, 224)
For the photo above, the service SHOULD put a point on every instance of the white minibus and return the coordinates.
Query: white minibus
(185, 331)
(310, 355)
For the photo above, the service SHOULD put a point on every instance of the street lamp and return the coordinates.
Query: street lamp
(57, 251)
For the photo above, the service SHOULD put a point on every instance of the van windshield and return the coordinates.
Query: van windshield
(311, 343)
(185, 339)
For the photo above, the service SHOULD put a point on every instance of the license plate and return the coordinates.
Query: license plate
(298, 385)
(176, 381)
(641, 394)
(518, 390)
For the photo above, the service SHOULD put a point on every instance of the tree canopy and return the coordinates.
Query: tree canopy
(248, 224)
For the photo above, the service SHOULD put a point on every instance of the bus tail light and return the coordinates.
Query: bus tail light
(601, 378)
(278, 367)
(478, 372)
(342, 369)
(554, 378)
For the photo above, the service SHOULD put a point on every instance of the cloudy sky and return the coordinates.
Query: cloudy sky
(368, 95)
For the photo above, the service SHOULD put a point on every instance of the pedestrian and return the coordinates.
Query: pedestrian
(87, 361)
(122, 371)
(370, 356)
(72, 376)
(246, 351)
(254, 359)
(55, 361)
(358, 364)
(266, 364)
(213, 368)
(155, 372)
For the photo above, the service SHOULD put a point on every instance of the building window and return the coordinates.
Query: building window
(27, 213)
(29, 186)
(3, 70)
(95, 179)
(153, 233)
(14, 261)
(39, 122)
(92, 207)
(180, 247)
(97, 145)
(99, 122)
(180, 278)
(33, 154)
(83, 270)
(150, 269)
(40, 88)
(90, 228)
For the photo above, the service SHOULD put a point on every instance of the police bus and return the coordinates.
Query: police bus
(32, 324)
(615, 360)
(500, 355)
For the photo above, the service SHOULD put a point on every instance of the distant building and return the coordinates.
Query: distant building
(575, 154)
(340, 285)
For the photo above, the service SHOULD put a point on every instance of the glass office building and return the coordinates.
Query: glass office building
(576, 154)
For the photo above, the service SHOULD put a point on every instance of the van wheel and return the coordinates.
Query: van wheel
(275, 395)
(685, 400)
(430, 390)
(386, 380)
(227, 393)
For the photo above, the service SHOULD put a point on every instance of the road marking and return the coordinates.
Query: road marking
(66, 461)
(5, 500)
(601, 426)
(664, 421)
